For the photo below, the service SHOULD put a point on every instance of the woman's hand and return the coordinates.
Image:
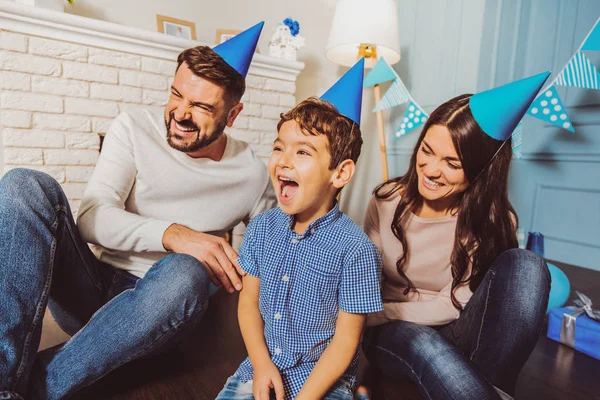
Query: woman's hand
(267, 377)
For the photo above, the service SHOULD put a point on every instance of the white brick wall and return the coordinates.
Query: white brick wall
(57, 97)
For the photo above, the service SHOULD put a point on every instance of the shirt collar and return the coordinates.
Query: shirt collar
(319, 223)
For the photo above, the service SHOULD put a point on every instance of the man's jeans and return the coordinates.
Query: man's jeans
(114, 317)
(485, 347)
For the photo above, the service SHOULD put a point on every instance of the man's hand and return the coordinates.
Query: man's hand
(267, 377)
(217, 256)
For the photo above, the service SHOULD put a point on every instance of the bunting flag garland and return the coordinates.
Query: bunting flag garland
(548, 107)
(579, 72)
(592, 42)
(413, 118)
(396, 95)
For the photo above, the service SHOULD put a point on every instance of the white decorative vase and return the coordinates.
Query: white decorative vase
(56, 5)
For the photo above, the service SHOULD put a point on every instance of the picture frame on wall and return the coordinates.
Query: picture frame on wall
(176, 27)
(224, 35)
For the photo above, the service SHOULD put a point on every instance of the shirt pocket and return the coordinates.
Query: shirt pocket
(317, 301)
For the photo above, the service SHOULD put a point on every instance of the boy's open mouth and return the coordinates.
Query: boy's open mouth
(288, 187)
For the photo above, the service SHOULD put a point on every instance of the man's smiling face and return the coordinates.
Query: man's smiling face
(196, 113)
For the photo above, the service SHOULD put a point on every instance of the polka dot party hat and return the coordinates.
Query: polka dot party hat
(498, 111)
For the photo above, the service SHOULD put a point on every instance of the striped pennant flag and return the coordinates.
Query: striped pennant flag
(579, 72)
(548, 107)
(517, 141)
(397, 94)
(413, 118)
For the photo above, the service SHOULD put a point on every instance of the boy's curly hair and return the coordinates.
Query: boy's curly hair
(320, 117)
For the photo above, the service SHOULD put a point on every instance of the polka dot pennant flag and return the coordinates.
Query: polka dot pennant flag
(548, 107)
(579, 72)
(413, 118)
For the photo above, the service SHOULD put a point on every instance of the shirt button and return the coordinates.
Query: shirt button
(294, 240)
(278, 351)
(312, 230)
(285, 278)
(277, 316)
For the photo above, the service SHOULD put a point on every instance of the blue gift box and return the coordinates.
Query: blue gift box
(584, 330)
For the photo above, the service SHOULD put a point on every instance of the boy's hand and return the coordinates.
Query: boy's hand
(217, 256)
(267, 377)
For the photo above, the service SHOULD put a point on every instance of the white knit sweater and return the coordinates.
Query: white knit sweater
(141, 185)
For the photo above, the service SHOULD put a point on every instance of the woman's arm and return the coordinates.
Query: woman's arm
(336, 358)
(266, 374)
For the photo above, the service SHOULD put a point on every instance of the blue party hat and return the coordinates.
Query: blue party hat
(238, 50)
(498, 111)
(346, 93)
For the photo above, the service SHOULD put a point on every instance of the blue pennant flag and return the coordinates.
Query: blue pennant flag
(579, 72)
(548, 107)
(413, 118)
(397, 94)
(593, 40)
(517, 141)
(381, 72)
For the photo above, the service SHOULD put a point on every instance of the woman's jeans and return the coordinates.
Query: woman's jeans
(114, 317)
(485, 347)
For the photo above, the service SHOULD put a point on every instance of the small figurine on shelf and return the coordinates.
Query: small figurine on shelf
(286, 41)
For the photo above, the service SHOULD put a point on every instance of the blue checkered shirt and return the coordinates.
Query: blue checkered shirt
(304, 281)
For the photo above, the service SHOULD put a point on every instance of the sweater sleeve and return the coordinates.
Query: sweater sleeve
(437, 310)
(102, 217)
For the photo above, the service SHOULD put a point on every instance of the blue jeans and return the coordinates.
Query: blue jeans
(114, 316)
(235, 389)
(485, 347)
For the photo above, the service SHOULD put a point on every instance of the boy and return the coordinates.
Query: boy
(312, 274)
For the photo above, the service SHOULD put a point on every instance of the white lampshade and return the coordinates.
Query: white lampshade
(370, 22)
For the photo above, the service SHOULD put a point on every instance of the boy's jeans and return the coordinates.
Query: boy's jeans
(235, 389)
(114, 316)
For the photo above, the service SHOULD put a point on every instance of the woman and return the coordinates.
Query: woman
(463, 305)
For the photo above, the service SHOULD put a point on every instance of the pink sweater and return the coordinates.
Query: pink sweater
(430, 242)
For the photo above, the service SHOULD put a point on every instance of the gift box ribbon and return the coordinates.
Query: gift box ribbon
(583, 305)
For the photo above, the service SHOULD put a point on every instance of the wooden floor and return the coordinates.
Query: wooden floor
(199, 368)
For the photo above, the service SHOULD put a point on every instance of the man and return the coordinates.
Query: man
(164, 191)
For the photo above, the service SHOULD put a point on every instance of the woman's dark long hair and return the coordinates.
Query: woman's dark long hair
(486, 221)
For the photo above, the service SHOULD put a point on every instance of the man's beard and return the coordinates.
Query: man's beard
(199, 142)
